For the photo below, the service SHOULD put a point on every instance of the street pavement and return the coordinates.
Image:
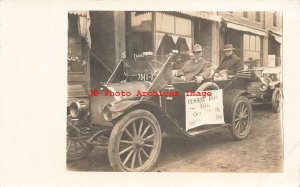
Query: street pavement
(261, 151)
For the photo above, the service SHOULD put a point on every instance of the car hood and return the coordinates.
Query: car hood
(123, 91)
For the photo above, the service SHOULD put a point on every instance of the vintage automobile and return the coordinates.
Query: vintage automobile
(130, 125)
(266, 88)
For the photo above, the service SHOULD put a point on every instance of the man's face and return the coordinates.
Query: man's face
(228, 53)
(198, 54)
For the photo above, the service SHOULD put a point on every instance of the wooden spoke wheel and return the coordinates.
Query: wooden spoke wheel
(135, 142)
(277, 100)
(241, 118)
(77, 147)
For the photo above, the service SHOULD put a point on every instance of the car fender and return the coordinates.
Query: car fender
(274, 84)
(117, 109)
(229, 100)
(166, 123)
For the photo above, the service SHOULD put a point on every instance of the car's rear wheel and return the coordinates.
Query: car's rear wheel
(277, 100)
(241, 118)
(135, 142)
(77, 147)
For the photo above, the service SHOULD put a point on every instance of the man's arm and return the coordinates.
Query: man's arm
(206, 70)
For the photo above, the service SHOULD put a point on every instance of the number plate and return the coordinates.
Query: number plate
(145, 77)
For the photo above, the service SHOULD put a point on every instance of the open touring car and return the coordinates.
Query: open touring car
(130, 125)
(266, 88)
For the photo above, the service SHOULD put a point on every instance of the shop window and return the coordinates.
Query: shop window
(76, 64)
(165, 23)
(141, 42)
(172, 33)
(257, 16)
(251, 50)
(275, 49)
(165, 44)
(183, 26)
(141, 21)
(235, 38)
(139, 36)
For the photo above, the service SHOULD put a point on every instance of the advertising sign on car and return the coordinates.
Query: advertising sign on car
(203, 110)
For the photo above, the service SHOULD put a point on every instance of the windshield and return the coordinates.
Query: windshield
(144, 64)
(143, 68)
(146, 68)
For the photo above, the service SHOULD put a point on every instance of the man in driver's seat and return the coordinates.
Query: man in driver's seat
(196, 68)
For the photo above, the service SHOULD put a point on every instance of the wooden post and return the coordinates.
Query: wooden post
(119, 20)
(215, 52)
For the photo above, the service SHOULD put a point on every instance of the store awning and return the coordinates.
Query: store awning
(245, 29)
(277, 37)
(203, 15)
(78, 13)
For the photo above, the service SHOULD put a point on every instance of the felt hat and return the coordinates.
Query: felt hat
(197, 48)
(228, 47)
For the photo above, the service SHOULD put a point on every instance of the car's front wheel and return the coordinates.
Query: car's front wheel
(241, 118)
(77, 146)
(135, 142)
(276, 100)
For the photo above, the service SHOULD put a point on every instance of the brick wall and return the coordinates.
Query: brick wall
(237, 17)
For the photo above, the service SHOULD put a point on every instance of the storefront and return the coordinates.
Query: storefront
(162, 32)
(78, 53)
(248, 42)
(274, 49)
(95, 42)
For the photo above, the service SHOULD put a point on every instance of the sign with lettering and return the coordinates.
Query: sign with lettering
(204, 110)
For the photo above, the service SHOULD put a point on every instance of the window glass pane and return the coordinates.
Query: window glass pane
(141, 42)
(257, 43)
(165, 43)
(76, 62)
(183, 26)
(141, 22)
(252, 43)
(189, 43)
(165, 23)
(158, 40)
(245, 55)
(246, 42)
(252, 55)
(256, 55)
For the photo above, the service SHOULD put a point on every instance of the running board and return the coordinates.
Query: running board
(198, 131)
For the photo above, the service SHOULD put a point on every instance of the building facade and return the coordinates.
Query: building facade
(257, 37)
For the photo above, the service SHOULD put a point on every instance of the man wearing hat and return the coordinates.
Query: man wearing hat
(231, 63)
(194, 69)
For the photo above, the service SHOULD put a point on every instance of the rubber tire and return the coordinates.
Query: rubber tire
(82, 155)
(232, 128)
(208, 86)
(274, 95)
(113, 152)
